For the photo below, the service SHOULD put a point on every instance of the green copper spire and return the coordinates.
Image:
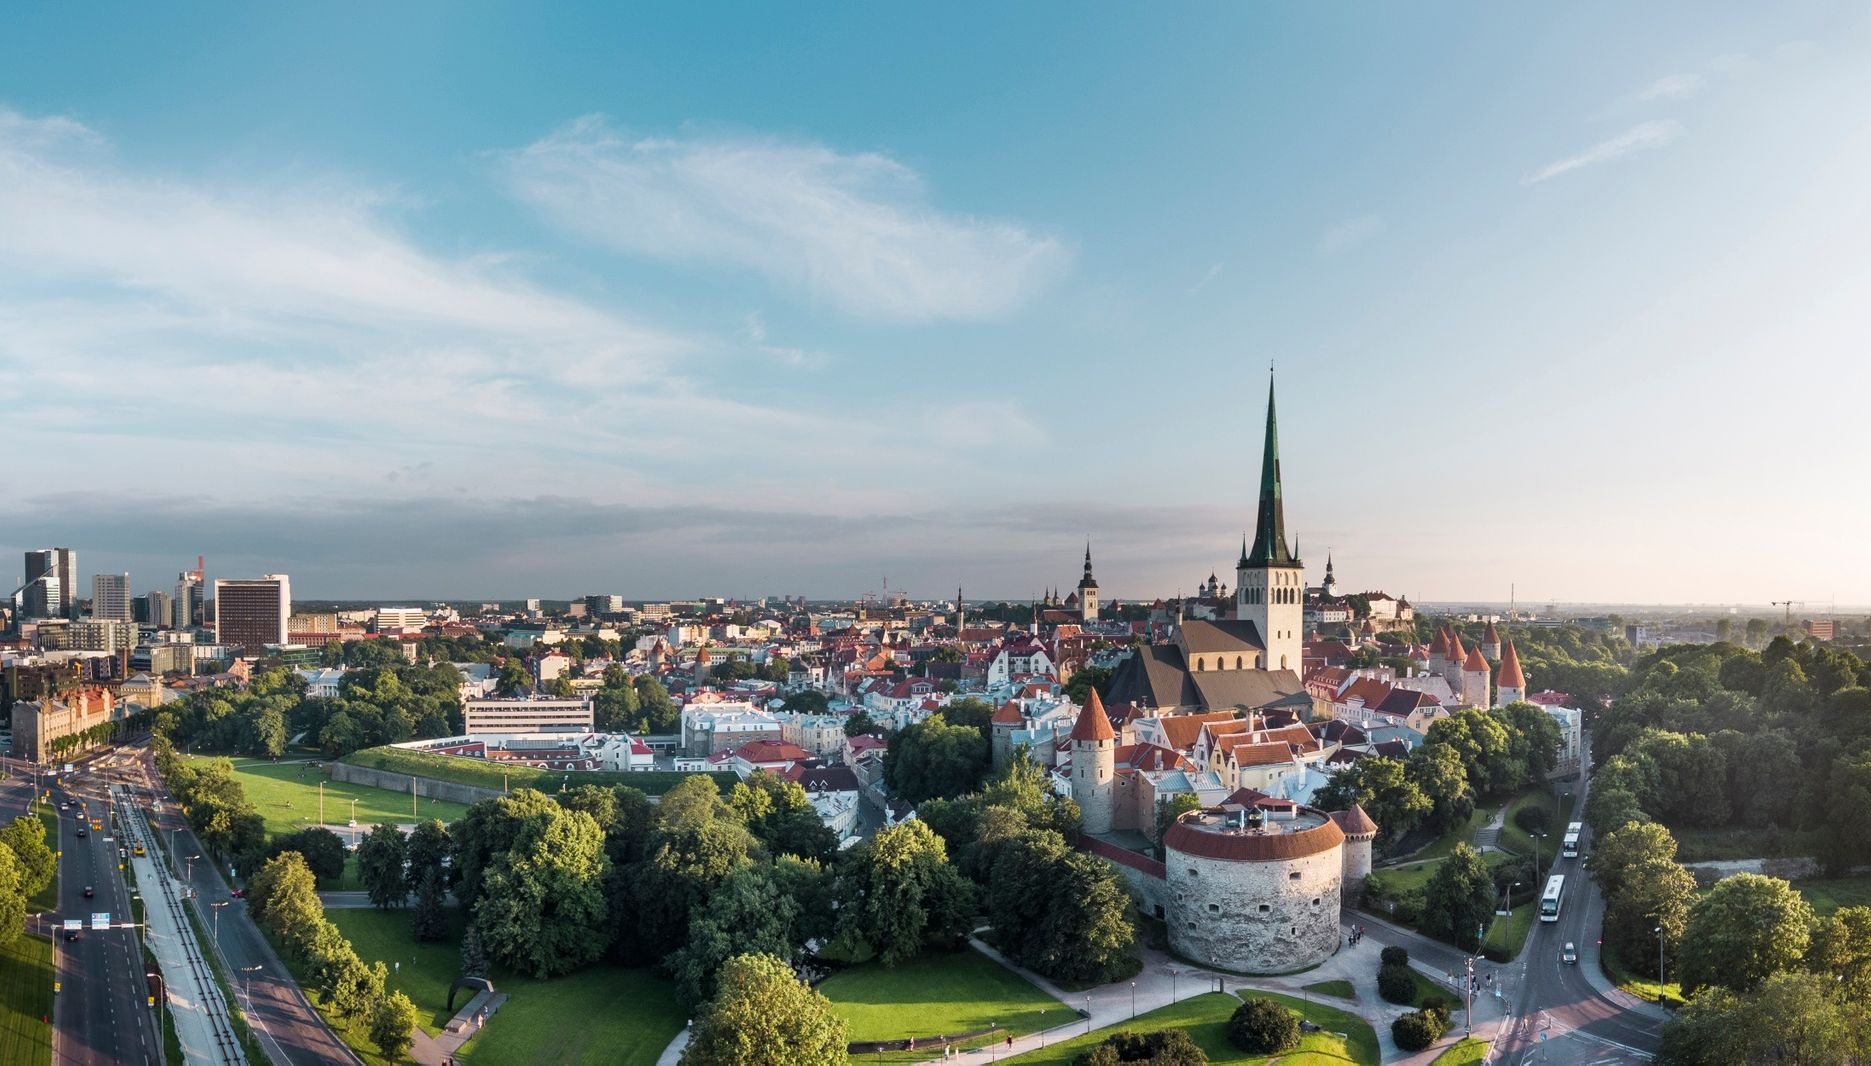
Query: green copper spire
(1270, 548)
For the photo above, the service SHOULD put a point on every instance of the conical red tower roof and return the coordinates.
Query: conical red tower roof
(1475, 664)
(1093, 723)
(1456, 652)
(1491, 637)
(1440, 645)
(1511, 677)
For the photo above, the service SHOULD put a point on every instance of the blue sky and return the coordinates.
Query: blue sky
(468, 299)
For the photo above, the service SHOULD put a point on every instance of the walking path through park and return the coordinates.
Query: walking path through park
(1164, 980)
(435, 1050)
(1488, 837)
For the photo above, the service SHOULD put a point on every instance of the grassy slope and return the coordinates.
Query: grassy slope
(1341, 989)
(1466, 1052)
(602, 1014)
(25, 997)
(1206, 1019)
(483, 774)
(46, 899)
(1828, 894)
(941, 994)
(286, 794)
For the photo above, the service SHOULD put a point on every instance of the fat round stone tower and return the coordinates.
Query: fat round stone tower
(1255, 889)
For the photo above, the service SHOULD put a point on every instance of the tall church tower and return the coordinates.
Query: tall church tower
(1088, 591)
(1270, 584)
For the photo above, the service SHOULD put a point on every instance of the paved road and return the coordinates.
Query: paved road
(101, 1014)
(288, 1027)
(1569, 1013)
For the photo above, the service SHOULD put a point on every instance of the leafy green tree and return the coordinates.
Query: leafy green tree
(808, 701)
(323, 851)
(283, 895)
(488, 830)
(1086, 679)
(1653, 895)
(1626, 848)
(1609, 809)
(764, 1015)
(1175, 807)
(25, 836)
(543, 900)
(380, 859)
(12, 896)
(749, 912)
(1746, 928)
(681, 866)
(1259, 1026)
(1386, 789)
(659, 713)
(1792, 1018)
(1847, 838)
(615, 705)
(1438, 772)
(933, 758)
(858, 724)
(897, 894)
(1841, 949)
(1458, 898)
(426, 847)
(428, 917)
(780, 815)
(391, 1025)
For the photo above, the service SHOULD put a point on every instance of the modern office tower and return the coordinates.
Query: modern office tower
(153, 608)
(250, 614)
(110, 597)
(187, 605)
(51, 583)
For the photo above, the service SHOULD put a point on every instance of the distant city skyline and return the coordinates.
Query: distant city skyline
(541, 303)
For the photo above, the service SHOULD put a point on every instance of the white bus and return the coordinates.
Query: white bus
(1549, 899)
(1570, 849)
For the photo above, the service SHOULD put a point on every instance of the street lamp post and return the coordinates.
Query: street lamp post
(1133, 999)
(246, 981)
(191, 868)
(1659, 931)
(1088, 1014)
(321, 803)
(217, 920)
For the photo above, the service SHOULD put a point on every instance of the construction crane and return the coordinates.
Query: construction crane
(1789, 605)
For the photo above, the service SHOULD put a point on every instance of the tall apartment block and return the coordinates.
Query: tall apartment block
(250, 614)
(110, 597)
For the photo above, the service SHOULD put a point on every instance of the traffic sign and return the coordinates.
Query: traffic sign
(100, 920)
(74, 923)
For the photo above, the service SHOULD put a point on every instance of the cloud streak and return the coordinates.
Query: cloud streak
(1641, 137)
(854, 231)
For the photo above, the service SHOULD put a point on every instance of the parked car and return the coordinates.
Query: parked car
(239, 893)
(1569, 954)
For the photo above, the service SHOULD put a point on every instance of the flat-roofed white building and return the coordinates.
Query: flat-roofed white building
(526, 716)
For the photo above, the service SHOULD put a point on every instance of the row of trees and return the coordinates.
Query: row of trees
(1715, 736)
(1467, 755)
(27, 866)
(375, 705)
(216, 805)
(282, 897)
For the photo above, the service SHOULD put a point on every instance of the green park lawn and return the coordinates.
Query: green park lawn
(483, 774)
(936, 995)
(1510, 934)
(286, 794)
(1467, 1052)
(1827, 894)
(1461, 834)
(1339, 989)
(1518, 840)
(1740, 842)
(601, 1014)
(25, 997)
(1205, 1017)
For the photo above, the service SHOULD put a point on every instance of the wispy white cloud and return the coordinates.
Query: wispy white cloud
(786, 355)
(1349, 233)
(1672, 87)
(853, 230)
(1644, 135)
(1213, 272)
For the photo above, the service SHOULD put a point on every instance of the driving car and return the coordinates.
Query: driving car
(239, 893)
(1569, 954)
(71, 935)
(81, 831)
(89, 892)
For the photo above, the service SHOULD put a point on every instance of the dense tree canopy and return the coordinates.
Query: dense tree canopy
(1746, 929)
(764, 1015)
(933, 758)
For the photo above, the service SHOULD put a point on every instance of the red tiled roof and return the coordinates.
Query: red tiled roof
(1511, 676)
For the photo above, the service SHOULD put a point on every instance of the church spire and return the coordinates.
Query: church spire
(1270, 547)
(1087, 582)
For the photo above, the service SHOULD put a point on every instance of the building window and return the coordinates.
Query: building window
(1315, 901)
(1214, 908)
(1191, 871)
(1293, 876)
(1265, 907)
